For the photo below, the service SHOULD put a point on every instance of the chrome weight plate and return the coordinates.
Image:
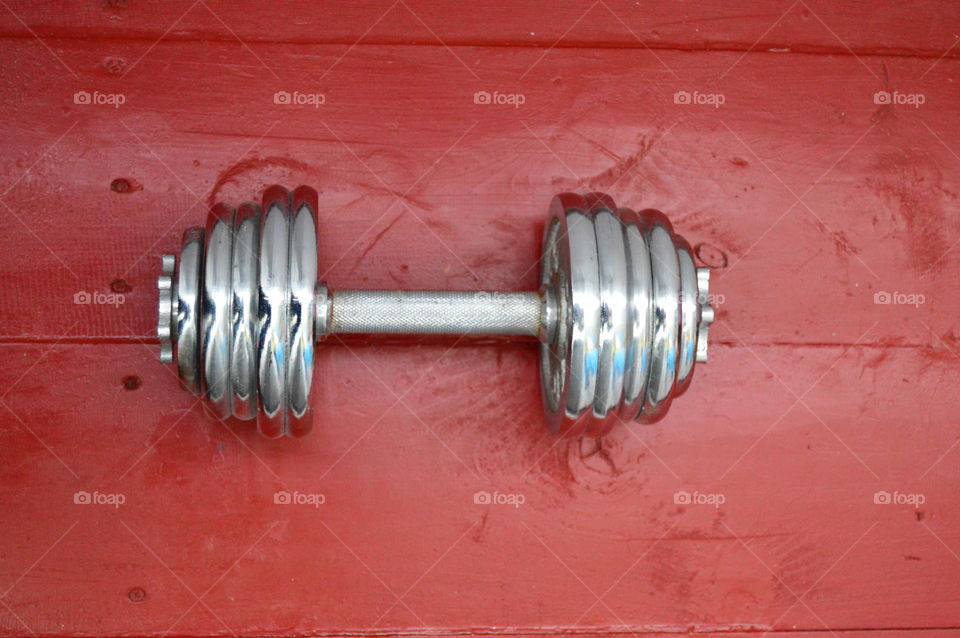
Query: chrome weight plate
(689, 314)
(633, 314)
(640, 288)
(243, 354)
(189, 279)
(273, 349)
(215, 332)
(301, 311)
(555, 286)
(706, 312)
(665, 275)
(237, 311)
(614, 334)
(286, 310)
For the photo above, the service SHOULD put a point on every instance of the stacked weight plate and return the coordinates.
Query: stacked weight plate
(237, 310)
(631, 315)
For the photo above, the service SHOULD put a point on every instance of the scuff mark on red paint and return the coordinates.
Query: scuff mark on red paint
(841, 243)
(622, 166)
(913, 184)
(231, 173)
(376, 240)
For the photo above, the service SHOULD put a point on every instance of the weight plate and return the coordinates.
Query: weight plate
(217, 310)
(243, 359)
(273, 350)
(665, 275)
(555, 274)
(189, 279)
(614, 335)
(640, 315)
(302, 308)
(689, 315)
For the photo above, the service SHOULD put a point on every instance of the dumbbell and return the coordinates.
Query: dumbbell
(621, 315)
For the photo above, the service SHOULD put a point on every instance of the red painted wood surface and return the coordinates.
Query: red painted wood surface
(815, 398)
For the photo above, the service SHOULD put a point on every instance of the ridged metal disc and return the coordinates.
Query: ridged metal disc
(215, 333)
(628, 313)
(555, 274)
(245, 294)
(246, 268)
(614, 336)
(273, 344)
(302, 303)
(665, 274)
(689, 315)
(189, 278)
(641, 315)
(286, 308)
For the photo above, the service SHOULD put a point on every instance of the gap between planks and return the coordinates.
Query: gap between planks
(637, 631)
(772, 48)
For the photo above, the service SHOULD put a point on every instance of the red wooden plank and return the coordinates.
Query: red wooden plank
(479, 176)
(860, 26)
(798, 517)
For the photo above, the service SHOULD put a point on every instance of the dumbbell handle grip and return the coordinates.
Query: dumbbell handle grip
(430, 312)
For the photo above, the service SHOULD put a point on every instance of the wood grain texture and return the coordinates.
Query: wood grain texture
(816, 398)
(861, 27)
(475, 180)
(599, 519)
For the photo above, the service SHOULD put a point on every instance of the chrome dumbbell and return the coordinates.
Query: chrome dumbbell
(621, 315)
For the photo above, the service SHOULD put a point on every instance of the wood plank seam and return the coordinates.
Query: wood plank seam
(770, 48)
